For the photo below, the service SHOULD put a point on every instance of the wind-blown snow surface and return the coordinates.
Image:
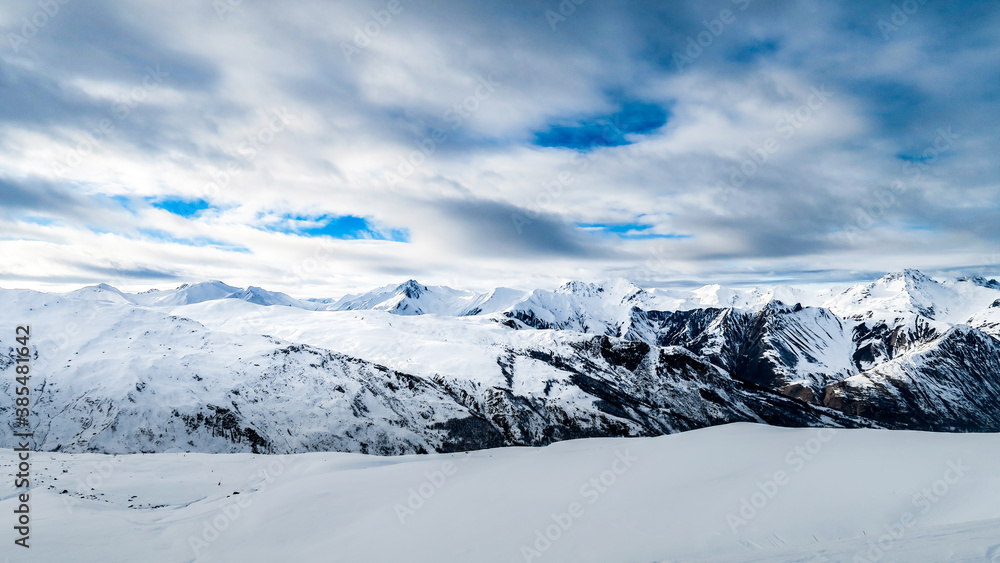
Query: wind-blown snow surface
(820, 495)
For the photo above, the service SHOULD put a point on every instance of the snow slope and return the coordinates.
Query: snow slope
(819, 496)
(414, 368)
(413, 298)
(232, 375)
(908, 293)
(188, 294)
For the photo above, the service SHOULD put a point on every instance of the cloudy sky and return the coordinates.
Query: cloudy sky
(326, 147)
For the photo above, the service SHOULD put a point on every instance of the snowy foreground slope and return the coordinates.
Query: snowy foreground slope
(414, 369)
(740, 492)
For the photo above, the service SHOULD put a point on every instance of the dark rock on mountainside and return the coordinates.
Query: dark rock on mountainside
(900, 352)
(953, 386)
(633, 389)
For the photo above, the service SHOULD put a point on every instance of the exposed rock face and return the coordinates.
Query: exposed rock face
(123, 373)
(952, 384)
(794, 350)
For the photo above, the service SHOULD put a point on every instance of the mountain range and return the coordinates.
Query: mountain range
(411, 368)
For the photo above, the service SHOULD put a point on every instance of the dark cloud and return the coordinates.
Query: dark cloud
(37, 196)
(116, 42)
(497, 229)
(563, 80)
(32, 99)
(40, 198)
(128, 273)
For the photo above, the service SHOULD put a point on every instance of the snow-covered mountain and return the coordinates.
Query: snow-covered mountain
(603, 308)
(908, 294)
(188, 294)
(201, 292)
(412, 298)
(791, 349)
(411, 368)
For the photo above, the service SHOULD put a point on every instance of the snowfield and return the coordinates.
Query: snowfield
(740, 492)
(650, 405)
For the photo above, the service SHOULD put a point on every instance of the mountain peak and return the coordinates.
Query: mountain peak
(981, 282)
(911, 282)
(576, 286)
(101, 291)
(908, 275)
(412, 289)
(261, 296)
(107, 287)
(189, 293)
(898, 293)
(206, 285)
(617, 287)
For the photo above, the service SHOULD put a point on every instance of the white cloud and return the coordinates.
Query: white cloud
(210, 122)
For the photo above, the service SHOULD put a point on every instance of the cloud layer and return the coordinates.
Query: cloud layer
(319, 148)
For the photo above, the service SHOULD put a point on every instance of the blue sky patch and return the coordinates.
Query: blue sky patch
(914, 158)
(35, 220)
(750, 52)
(345, 227)
(182, 207)
(634, 118)
(629, 231)
(123, 201)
